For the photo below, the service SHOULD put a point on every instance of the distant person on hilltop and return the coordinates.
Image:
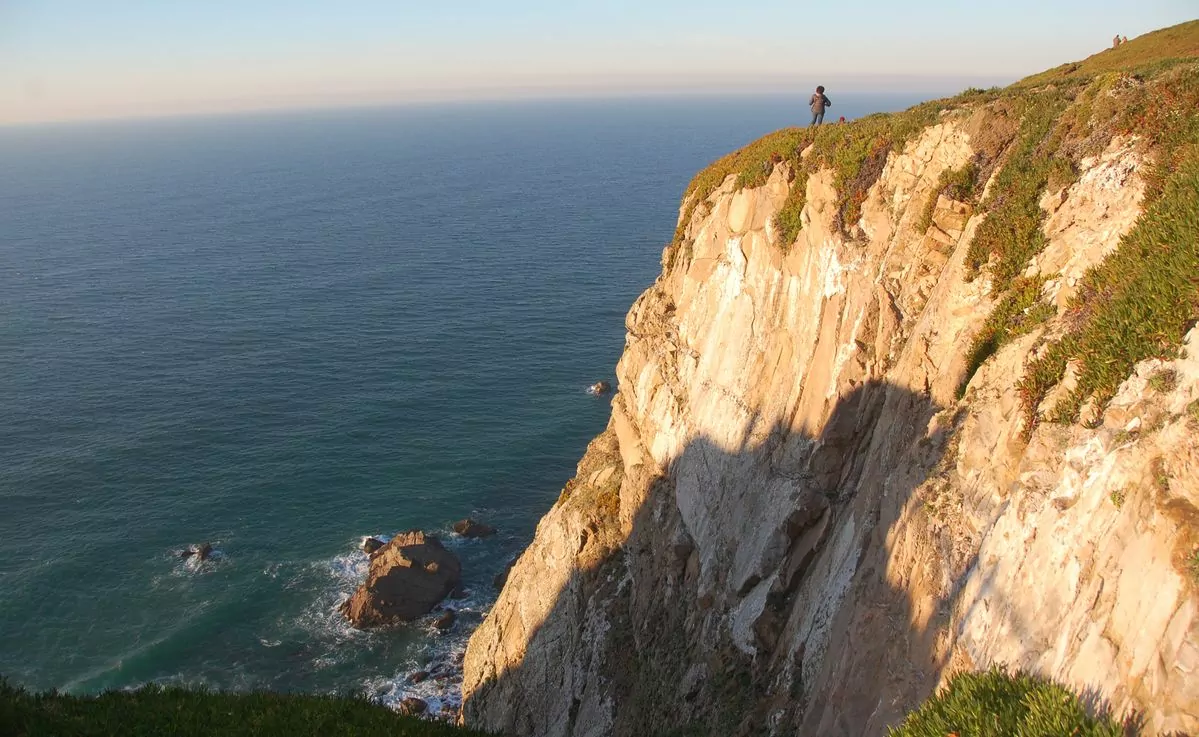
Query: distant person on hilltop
(818, 103)
(1116, 41)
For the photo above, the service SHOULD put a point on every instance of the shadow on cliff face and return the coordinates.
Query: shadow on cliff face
(744, 590)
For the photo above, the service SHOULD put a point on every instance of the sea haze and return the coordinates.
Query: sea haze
(281, 333)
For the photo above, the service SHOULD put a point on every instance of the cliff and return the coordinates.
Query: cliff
(912, 395)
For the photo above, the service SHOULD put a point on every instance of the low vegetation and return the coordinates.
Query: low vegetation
(956, 184)
(1191, 563)
(1138, 303)
(1163, 380)
(153, 712)
(1192, 412)
(1142, 56)
(997, 704)
(855, 152)
(1011, 234)
(1019, 311)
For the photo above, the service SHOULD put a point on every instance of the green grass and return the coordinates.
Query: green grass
(156, 712)
(956, 184)
(856, 153)
(1191, 564)
(1011, 234)
(1163, 380)
(1118, 498)
(1018, 313)
(1142, 55)
(1161, 476)
(996, 704)
(1192, 411)
(1137, 304)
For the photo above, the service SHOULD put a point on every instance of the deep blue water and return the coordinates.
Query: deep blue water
(280, 333)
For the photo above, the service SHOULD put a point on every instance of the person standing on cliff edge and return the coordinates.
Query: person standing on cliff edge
(818, 102)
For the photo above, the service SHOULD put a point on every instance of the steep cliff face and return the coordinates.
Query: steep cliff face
(809, 507)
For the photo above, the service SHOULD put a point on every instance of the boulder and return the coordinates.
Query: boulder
(372, 544)
(600, 387)
(419, 677)
(470, 528)
(407, 578)
(501, 578)
(413, 706)
(202, 552)
(446, 620)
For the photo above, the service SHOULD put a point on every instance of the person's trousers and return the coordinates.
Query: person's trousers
(817, 118)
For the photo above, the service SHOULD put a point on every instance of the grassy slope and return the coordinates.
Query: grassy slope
(1136, 305)
(155, 712)
(996, 704)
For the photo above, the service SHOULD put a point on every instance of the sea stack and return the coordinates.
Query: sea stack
(408, 576)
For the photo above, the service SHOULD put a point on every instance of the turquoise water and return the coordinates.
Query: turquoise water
(282, 333)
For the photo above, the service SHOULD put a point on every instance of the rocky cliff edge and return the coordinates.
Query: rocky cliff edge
(861, 441)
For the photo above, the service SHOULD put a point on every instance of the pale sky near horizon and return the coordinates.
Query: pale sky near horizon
(79, 59)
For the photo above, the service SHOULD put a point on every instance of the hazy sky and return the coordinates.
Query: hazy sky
(64, 59)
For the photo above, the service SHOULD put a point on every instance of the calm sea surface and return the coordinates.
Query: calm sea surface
(280, 333)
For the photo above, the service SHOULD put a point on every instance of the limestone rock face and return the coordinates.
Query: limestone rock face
(793, 525)
(408, 576)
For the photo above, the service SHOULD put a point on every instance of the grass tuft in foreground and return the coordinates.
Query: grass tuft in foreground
(152, 712)
(996, 704)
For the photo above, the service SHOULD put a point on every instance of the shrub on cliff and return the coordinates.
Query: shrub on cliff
(153, 711)
(996, 704)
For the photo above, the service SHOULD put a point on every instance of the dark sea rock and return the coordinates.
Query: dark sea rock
(470, 528)
(446, 620)
(202, 552)
(371, 544)
(407, 578)
(413, 706)
(419, 677)
(600, 388)
(501, 578)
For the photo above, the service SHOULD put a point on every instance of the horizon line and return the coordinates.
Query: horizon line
(860, 84)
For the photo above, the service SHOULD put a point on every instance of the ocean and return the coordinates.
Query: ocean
(279, 333)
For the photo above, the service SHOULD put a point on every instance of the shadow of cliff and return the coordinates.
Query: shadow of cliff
(669, 625)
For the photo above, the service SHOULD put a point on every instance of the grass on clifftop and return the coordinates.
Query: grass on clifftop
(996, 704)
(157, 712)
(1137, 304)
(1142, 55)
(856, 152)
(1140, 302)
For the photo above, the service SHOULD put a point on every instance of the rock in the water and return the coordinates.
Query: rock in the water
(419, 677)
(408, 577)
(459, 593)
(371, 544)
(413, 706)
(202, 552)
(446, 620)
(501, 578)
(470, 528)
(599, 387)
